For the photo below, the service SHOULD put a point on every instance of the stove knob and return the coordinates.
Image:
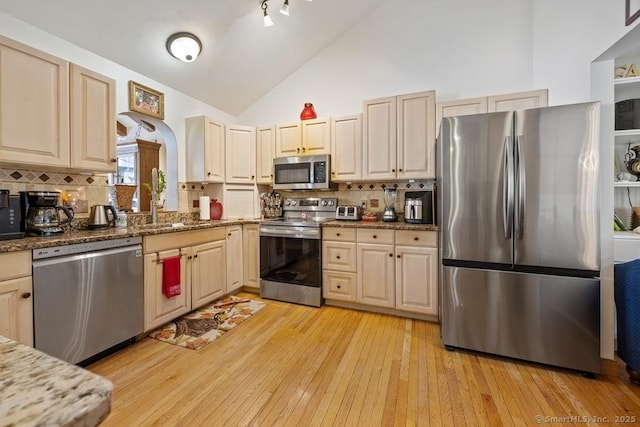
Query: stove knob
(324, 203)
(287, 203)
(293, 203)
(331, 202)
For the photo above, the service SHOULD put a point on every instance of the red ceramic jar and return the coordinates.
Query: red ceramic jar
(215, 209)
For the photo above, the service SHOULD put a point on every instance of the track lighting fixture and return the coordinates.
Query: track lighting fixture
(267, 19)
(285, 8)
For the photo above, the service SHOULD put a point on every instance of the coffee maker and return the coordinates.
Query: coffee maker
(418, 207)
(10, 216)
(41, 213)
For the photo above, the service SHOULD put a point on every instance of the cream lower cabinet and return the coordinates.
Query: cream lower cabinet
(16, 302)
(208, 272)
(417, 271)
(234, 258)
(339, 263)
(251, 256)
(375, 268)
(384, 268)
(202, 272)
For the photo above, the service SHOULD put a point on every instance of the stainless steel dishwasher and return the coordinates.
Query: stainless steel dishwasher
(87, 297)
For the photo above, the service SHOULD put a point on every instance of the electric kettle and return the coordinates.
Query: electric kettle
(99, 217)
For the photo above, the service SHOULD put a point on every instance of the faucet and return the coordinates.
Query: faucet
(154, 195)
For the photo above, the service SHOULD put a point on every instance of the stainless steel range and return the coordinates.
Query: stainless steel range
(290, 251)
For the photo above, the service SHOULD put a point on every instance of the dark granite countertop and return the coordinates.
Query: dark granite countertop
(85, 236)
(400, 225)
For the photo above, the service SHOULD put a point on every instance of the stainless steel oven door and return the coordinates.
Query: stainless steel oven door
(290, 264)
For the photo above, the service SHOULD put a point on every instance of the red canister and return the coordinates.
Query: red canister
(215, 209)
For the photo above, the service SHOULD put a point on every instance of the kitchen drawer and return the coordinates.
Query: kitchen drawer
(339, 256)
(181, 239)
(339, 285)
(339, 234)
(15, 264)
(375, 236)
(417, 238)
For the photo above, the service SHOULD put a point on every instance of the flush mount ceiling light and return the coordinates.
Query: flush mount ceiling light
(184, 46)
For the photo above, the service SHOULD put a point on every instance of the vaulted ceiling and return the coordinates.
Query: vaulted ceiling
(241, 60)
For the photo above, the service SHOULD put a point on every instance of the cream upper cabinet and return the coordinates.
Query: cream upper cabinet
(241, 154)
(417, 271)
(399, 137)
(208, 272)
(304, 138)
(490, 104)
(518, 101)
(93, 118)
(288, 139)
(34, 106)
(379, 138)
(251, 255)
(346, 148)
(16, 301)
(416, 148)
(205, 150)
(266, 151)
(316, 136)
(460, 107)
(234, 258)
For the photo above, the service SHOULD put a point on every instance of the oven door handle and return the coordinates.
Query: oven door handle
(305, 233)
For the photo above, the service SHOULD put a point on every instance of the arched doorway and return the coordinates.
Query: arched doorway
(149, 128)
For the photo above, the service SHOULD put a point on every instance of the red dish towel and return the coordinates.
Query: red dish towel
(171, 276)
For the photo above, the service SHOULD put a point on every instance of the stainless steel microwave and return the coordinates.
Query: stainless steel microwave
(302, 172)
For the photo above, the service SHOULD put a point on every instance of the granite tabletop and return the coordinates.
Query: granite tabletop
(39, 390)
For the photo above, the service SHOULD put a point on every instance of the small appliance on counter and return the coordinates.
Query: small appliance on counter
(390, 197)
(41, 213)
(348, 213)
(10, 216)
(102, 216)
(418, 207)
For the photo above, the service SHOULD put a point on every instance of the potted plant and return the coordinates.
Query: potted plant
(162, 186)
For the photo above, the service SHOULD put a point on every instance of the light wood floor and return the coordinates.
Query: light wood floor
(300, 366)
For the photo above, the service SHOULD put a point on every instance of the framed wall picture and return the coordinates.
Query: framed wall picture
(145, 100)
(631, 11)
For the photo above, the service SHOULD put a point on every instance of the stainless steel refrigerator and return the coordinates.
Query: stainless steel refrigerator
(519, 234)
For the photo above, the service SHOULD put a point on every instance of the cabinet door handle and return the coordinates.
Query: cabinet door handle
(208, 173)
(114, 160)
(393, 170)
(26, 295)
(375, 236)
(337, 256)
(397, 256)
(195, 256)
(229, 234)
(399, 170)
(416, 239)
(271, 175)
(338, 286)
(338, 234)
(391, 255)
(304, 149)
(333, 173)
(189, 257)
(298, 149)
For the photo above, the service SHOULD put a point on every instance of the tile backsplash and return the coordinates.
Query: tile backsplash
(95, 189)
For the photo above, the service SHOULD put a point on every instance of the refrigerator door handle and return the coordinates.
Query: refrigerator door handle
(507, 188)
(520, 190)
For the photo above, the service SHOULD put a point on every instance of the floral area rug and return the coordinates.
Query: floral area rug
(202, 326)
